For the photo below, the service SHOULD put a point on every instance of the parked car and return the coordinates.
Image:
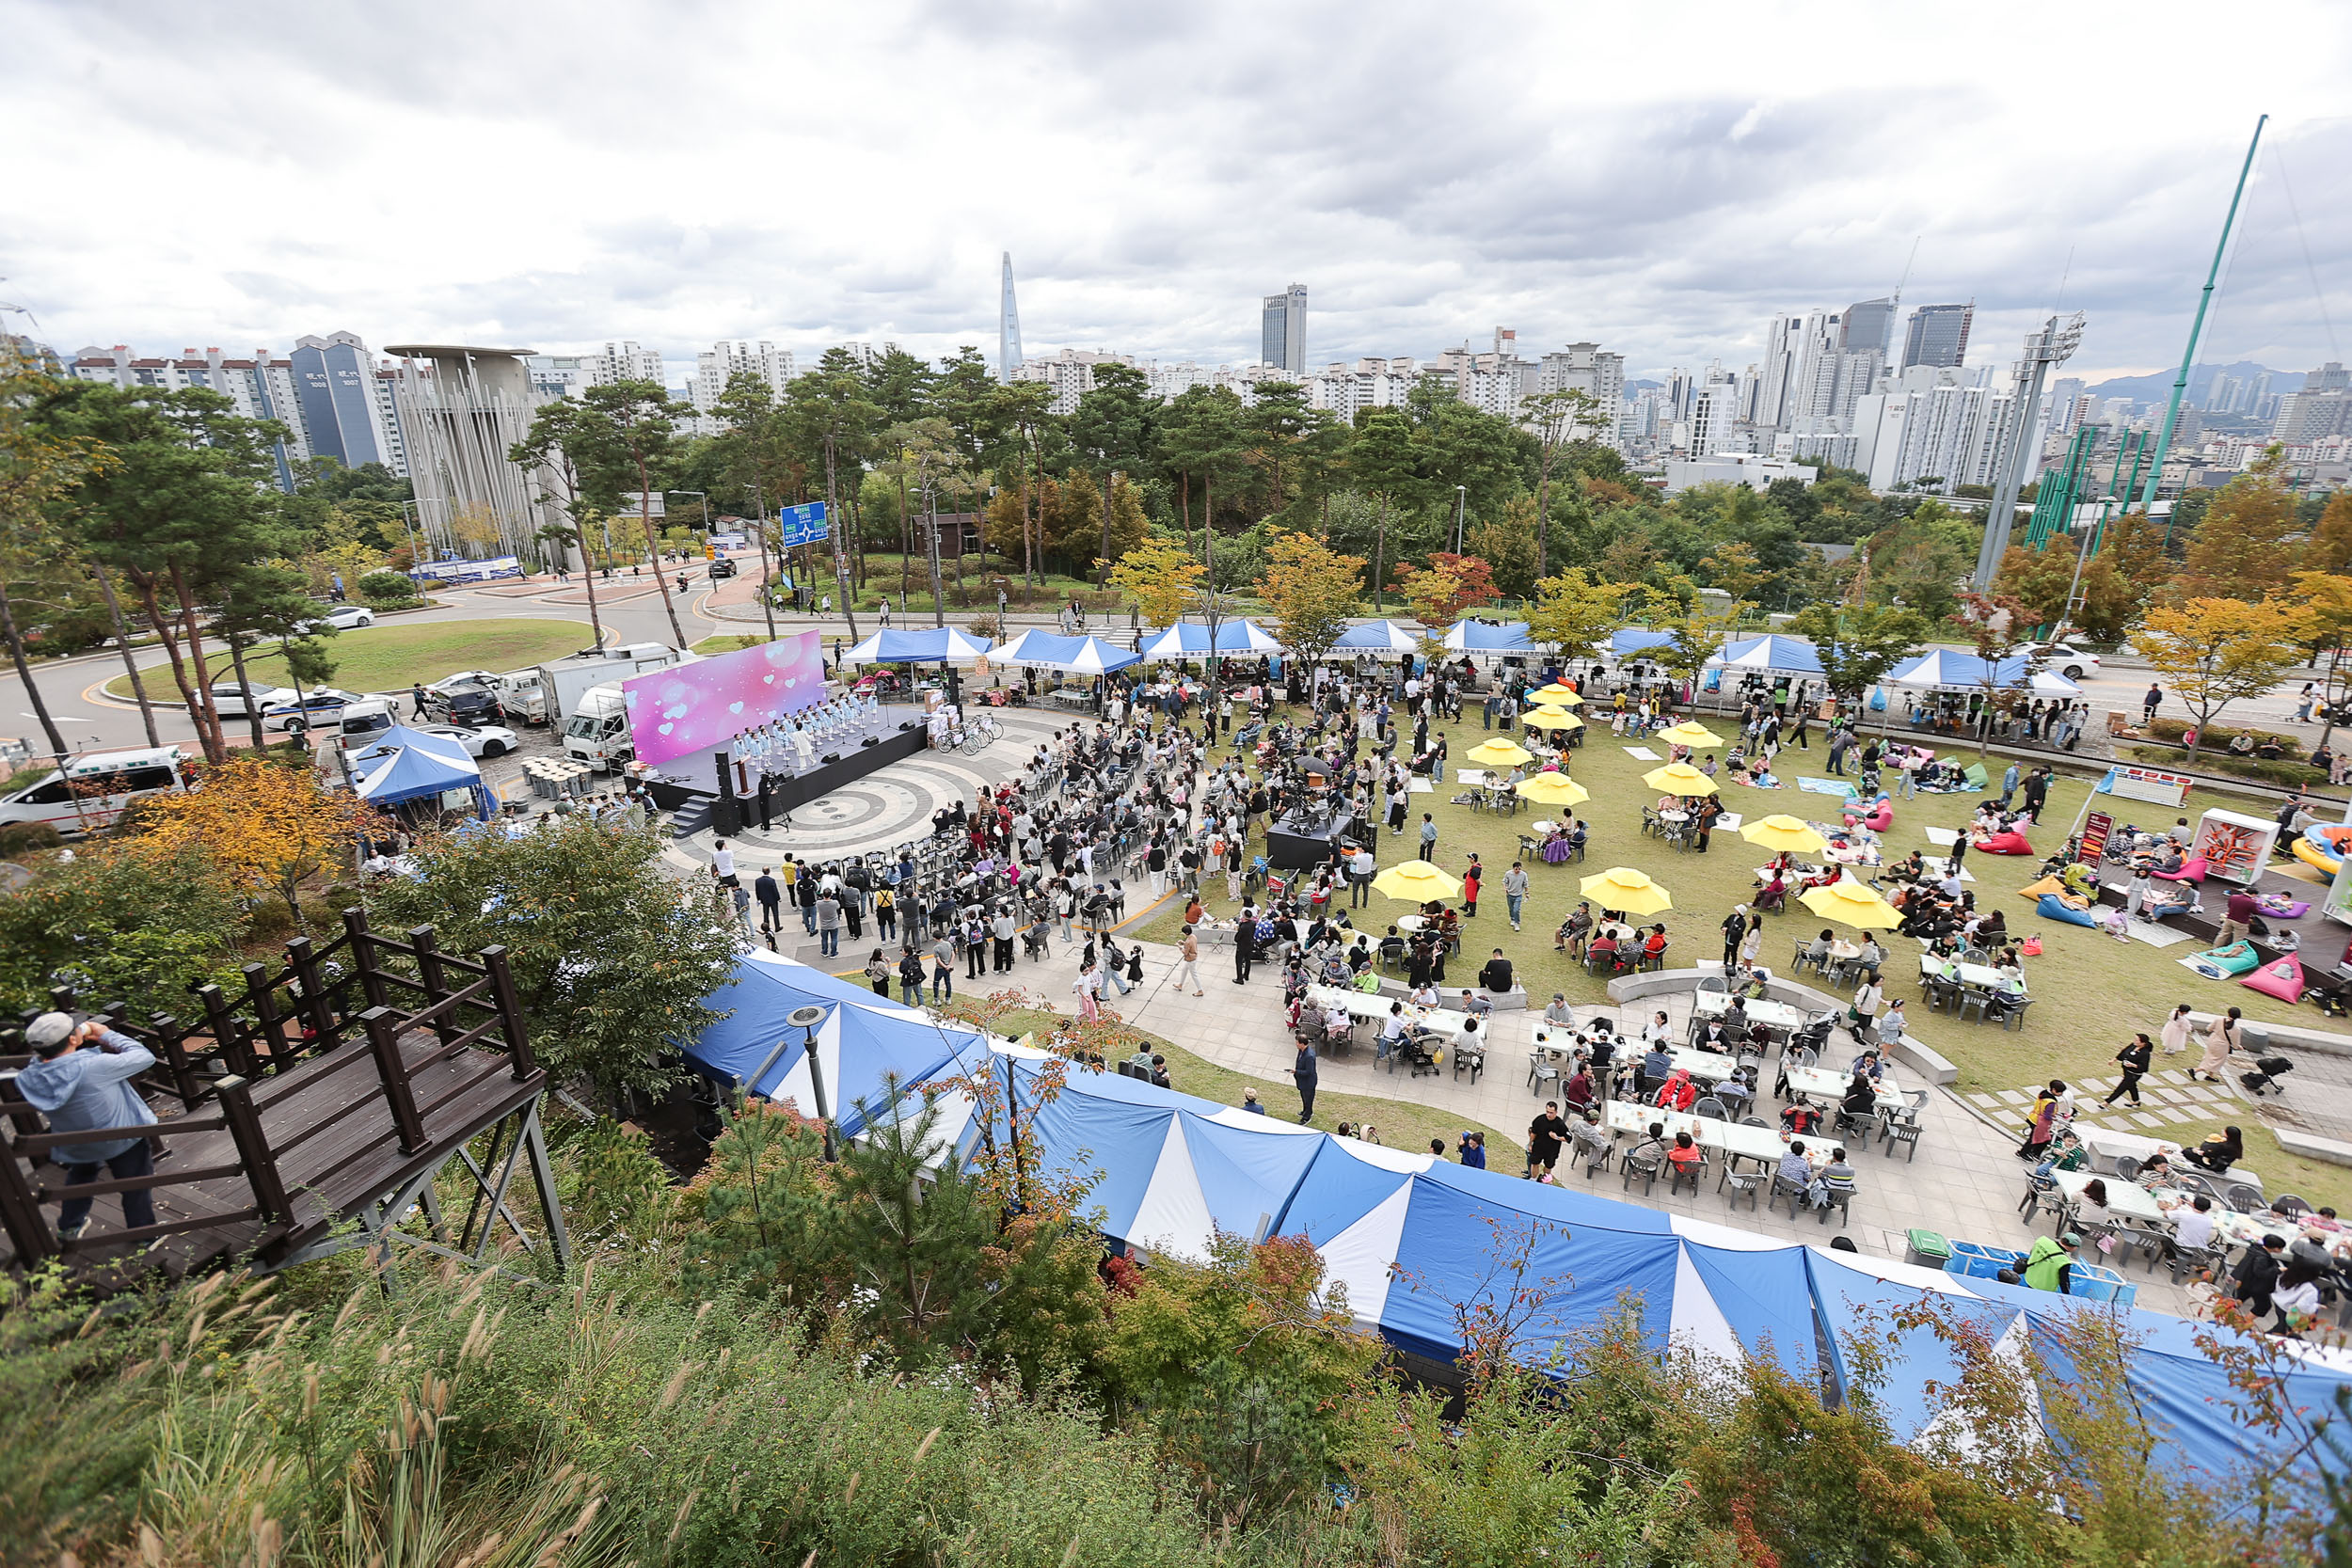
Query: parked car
(235, 699)
(722, 568)
(342, 617)
(481, 741)
(2067, 658)
(462, 703)
(320, 706)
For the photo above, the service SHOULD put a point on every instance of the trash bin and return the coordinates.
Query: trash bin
(2256, 1036)
(1927, 1249)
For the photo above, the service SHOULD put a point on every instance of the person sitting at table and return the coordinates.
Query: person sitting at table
(1751, 982)
(1471, 1041)
(1335, 971)
(1794, 1169)
(1800, 1117)
(1817, 951)
(1655, 944)
(1652, 1144)
(1496, 974)
(1714, 1035)
(2156, 1173)
(1578, 1090)
(1602, 951)
(1834, 1177)
(1425, 996)
(1557, 1014)
(2066, 1153)
(1393, 947)
(1449, 931)
(1685, 1156)
(1574, 932)
(1872, 955)
(1359, 956)
(1421, 959)
(1391, 1036)
(1577, 835)
(1338, 1023)
(1656, 1064)
(1869, 1065)
(1678, 1093)
(1474, 1006)
(1862, 1096)
(2218, 1153)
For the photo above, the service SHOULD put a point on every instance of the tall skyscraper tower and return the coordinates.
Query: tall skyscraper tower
(1007, 330)
(1282, 330)
(1938, 335)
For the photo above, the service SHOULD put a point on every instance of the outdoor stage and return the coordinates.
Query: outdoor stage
(688, 782)
(1294, 843)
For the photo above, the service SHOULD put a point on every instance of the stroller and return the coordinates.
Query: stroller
(2264, 1078)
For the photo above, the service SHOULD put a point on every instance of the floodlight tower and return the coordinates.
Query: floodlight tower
(2053, 345)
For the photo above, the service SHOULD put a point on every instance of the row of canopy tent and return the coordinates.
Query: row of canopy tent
(1409, 1235)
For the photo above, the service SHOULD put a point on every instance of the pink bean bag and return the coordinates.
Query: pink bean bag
(2192, 870)
(2280, 977)
(2002, 844)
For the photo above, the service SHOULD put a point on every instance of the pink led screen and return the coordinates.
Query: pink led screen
(701, 706)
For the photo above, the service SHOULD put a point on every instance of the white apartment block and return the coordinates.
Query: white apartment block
(261, 388)
(626, 361)
(1583, 368)
(1753, 469)
(1943, 423)
(1341, 388)
(721, 363)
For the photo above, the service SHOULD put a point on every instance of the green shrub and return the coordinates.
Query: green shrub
(23, 838)
(2294, 775)
(268, 920)
(2216, 734)
(389, 591)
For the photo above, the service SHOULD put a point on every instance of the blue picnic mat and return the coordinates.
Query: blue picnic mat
(1839, 788)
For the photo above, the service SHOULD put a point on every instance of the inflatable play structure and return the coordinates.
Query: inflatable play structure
(2325, 846)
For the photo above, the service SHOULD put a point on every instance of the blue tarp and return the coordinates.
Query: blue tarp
(928, 646)
(1634, 640)
(1083, 656)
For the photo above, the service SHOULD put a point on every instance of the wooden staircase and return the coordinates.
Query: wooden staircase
(333, 1089)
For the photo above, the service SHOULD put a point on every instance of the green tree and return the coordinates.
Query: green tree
(1385, 464)
(1201, 437)
(631, 445)
(2039, 581)
(38, 467)
(1246, 1369)
(2330, 547)
(1555, 419)
(1313, 589)
(1919, 561)
(1508, 544)
(2212, 652)
(830, 415)
(566, 439)
(186, 503)
(1859, 643)
(2247, 544)
(121, 928)
(611, 970)
(1114, 425)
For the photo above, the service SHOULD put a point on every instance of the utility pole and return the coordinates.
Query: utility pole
(760, 532)
(939, 594)
(1461, 500)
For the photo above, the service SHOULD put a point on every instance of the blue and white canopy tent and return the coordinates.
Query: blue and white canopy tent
(1485, 637)
(1410, 1238)
(1628, 640)
(924, 645)
(400, 765)
(1379, 637)
(1081, 655)
(1190, 639)
(1947, 670)
(1772, 655)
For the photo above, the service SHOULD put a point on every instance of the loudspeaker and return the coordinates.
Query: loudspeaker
(869, 740)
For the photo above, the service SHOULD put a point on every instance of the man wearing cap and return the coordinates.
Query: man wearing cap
(2051, 1264)
(81, 1078)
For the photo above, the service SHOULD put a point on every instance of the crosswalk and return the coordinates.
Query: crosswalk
(2169, 1099)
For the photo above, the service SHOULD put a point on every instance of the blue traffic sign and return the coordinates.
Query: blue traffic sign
(801, 525)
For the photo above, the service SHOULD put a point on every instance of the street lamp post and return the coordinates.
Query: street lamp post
(1461, 500)
(760, 532)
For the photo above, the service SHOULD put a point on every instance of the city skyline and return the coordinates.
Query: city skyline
(1666, 203)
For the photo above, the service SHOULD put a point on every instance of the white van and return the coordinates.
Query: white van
(94, 788)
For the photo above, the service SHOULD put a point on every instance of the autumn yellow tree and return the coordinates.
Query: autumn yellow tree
(1574, 614)
(2330, 547)
(1162, 578)
(2211, 652)
(267, 826)
(1449, 585)
(1313, 588)
(2243, 548)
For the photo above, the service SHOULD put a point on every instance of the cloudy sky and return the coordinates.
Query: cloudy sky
(1657, 179)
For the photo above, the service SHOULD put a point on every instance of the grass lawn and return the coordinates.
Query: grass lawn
(1402, 1123)
(390, 657)
(2090, 992)
(728, 642)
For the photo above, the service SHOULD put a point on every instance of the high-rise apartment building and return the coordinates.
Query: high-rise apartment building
(260, 388)
(1938, 335)
(721, 363)
(1282, 330)
(626, 361)
(344, 415)
(1585, 368)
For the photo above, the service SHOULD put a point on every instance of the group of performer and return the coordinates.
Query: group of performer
(793, 744)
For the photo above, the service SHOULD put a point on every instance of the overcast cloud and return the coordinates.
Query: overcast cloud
(1658, 179)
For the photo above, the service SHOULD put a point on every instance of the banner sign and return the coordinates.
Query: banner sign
(2149, 784)
(2096, 827)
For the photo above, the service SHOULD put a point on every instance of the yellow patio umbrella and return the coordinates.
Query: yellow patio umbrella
(1552, 789)
(1621, 887)
(1501, 752)
(1783, 832)
(1678, 778)
(1852, 902)
(1417, 881)
(1690, 733)
(1552, 719)
(1557, 695)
